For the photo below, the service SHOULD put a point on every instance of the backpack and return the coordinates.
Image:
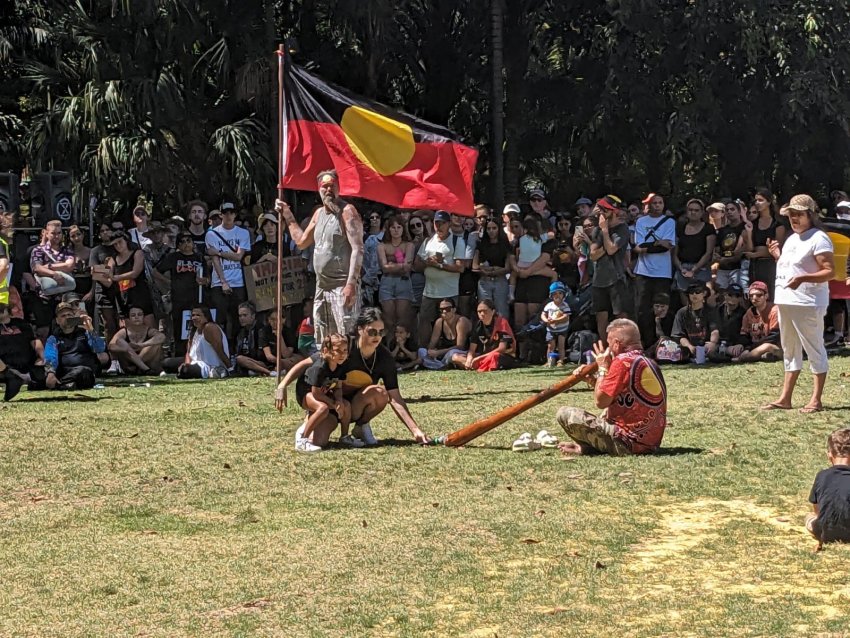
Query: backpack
(578, 344)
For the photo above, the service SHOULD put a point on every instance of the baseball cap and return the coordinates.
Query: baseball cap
(758, 286)
(844, 204)
(511, 208)
(62, 307)
(442, 216)
(537, 192)
(267, 217)
(735, 289)
(228, 207)
(583, 201)
(648, 198)
(557, 286)
(661, 298)
(696, 287)
(610, 202)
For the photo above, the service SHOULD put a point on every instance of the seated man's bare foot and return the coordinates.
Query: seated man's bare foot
(570, 448)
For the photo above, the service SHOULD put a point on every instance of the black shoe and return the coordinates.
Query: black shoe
(14, 383)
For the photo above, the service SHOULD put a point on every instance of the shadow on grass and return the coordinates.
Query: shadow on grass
(66, 397)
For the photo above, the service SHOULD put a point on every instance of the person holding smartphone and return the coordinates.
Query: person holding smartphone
(74, 353)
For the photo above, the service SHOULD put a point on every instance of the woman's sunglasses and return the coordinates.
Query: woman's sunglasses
(374, 332)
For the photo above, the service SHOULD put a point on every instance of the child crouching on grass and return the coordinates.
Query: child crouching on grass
(830, 497)
(319, 391)
(556, 318)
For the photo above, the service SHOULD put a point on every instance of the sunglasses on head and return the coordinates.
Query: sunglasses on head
(374, 332)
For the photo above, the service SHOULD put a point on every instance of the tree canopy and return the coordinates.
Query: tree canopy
(176, 98)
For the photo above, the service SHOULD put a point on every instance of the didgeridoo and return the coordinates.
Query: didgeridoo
(474, 430)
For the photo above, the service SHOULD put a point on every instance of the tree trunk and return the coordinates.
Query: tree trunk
(497, 169)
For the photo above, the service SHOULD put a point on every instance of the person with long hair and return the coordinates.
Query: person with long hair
(804, 266)
(127, 268)
(371, 384)
(418, 232)
(208, 355)
(766, 228)
(395, 256)
(492, 346)
(493, 260)
(449, 339)
(82, 269)
(531, 276)
(694, 249)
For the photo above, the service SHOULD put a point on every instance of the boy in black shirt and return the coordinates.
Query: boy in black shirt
(830, 496)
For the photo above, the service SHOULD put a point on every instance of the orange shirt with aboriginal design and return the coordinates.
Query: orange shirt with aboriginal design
(639, 409)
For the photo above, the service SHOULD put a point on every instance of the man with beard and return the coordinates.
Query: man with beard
(337, 232)
(74, 353)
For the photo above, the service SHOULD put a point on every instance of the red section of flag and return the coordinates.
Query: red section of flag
(438, 176)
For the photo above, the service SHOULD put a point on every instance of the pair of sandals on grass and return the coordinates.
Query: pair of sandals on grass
(527, 444)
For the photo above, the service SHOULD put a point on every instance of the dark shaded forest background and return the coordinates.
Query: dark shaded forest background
(177, 98)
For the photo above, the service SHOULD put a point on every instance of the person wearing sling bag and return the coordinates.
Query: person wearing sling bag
(655, 237)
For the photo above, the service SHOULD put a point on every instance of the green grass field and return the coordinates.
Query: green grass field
(182, 510)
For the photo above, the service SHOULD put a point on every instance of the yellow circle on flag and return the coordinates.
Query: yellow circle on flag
(383, 144)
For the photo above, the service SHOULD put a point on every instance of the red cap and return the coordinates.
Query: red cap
(648, 198)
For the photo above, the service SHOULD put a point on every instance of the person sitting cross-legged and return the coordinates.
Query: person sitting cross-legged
(136, 346)
(759, 329)
(21, 355)
(631, 389)
(249, 349)
(74, 353)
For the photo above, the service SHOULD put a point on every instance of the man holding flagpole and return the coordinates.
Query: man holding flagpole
(337, 232)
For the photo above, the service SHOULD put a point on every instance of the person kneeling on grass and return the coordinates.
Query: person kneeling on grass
(137, 347)
(830, 496)
(319, 392)
(371, 384)
(21, 355)
(631, 389)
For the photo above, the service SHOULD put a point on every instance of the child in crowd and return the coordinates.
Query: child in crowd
(830, 497)
(319, 391)
(556, 317)
(403, 350)
(306, 333)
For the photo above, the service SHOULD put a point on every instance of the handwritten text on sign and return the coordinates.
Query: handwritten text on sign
(261, 282)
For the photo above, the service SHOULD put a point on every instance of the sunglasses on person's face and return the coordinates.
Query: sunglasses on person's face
(536, 199)
(415, 224)
(374, 332)
(446, 308)
(756, 294)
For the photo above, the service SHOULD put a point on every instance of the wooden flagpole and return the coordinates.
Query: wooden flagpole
(281, 171)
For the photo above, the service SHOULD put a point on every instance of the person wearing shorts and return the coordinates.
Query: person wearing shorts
(611, 292)
(336, 229)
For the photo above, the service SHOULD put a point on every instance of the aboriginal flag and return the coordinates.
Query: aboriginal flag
(379, 153)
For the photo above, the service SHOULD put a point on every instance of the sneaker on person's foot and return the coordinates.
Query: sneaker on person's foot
(299, 433)
(364, 433)
(115, 368)
(350, 441)
(304, 445)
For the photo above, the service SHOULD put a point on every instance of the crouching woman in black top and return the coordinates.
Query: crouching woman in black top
(371, 383)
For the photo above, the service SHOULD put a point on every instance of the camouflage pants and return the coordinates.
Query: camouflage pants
(591, 431)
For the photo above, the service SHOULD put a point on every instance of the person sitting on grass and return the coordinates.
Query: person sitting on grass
(556, 317)
(319, 392)
(74, 353)
(492, 346)
(249, 352)
(403, 349)
(21, 355)
(696, 324)
(830, 495)
(449, 341)
(208, 355)
(759, 339)
(631, 390)
(271, 340)
(136, 346)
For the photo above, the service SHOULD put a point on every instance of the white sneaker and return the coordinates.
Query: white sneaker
(299, 433)
(546, 440)
(350, 441)
(364, 433)
(115, 368)
(304, 445)
(525, 443)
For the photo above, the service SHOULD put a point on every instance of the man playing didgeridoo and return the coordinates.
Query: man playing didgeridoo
(630, 389)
